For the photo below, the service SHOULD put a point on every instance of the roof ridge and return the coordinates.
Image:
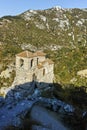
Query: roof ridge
(28, 54)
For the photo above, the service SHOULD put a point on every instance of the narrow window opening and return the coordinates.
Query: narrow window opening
(21, 62)
(32, 63)
(43, 72)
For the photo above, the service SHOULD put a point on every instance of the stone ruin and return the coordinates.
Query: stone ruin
(33, 67)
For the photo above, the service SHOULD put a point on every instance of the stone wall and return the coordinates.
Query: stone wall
(28, 72)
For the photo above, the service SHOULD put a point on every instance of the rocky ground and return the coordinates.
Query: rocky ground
(26, 101)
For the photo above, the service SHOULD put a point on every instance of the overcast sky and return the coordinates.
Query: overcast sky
(14, 7)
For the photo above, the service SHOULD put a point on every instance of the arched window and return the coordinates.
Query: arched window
(43, 72)
(21, 62)
(32, 62)
(37, 60)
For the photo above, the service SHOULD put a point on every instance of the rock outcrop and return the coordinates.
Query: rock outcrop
(48, 119)
(21, 100)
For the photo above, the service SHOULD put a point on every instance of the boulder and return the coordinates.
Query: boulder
(48, 119)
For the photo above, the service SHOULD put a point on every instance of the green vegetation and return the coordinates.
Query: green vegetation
(67, 63)
(71, 56)
(16, 31)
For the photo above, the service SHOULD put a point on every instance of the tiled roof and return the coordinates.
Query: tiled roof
(30, 54)
(25, 54)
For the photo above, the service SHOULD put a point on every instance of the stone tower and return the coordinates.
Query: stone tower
(33, 67)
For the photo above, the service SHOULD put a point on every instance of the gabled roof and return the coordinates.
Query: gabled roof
(29, 54)
(25, 54)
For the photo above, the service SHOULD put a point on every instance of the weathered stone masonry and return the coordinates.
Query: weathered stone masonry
(33, 67)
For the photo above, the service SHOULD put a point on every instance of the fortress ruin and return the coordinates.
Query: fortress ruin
(34, 67)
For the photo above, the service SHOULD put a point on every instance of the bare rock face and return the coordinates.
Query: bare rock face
(39, 128)
(47, 119)
(22, 99)
(11, 114)
(2, 101)
(6, 73)
(82, 73)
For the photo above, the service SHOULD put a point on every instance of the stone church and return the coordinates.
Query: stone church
(34, 67)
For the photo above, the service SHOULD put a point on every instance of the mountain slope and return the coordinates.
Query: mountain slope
(61, 33)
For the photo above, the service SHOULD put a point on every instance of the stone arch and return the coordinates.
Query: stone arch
(21, 62)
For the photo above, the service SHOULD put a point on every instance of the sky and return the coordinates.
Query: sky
(15, 7)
